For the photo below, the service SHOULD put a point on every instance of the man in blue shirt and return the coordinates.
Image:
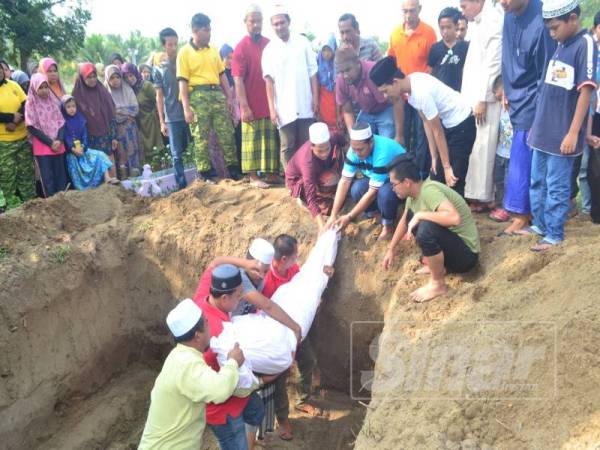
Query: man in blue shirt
(170, 109)
(526, 50)
(373, 193)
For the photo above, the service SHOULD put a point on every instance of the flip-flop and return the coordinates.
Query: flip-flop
(499, 215)
(506, 234)
(527, 231)
(542, 246)
(259, 184)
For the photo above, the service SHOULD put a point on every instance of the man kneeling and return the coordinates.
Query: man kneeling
(441, 223)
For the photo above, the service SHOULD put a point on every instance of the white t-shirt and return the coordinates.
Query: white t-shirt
(291, 64)
(433, 98)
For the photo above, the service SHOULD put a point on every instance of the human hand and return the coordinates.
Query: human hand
(504, 102)
(412, 225)
(18, 118)
(56, 146)
(315, 107)
(246, 114)
(593, 141)
(569, 144)
(342, 222)
(190, 117)
(400, 140)
(164, 129)
(115, 145)
(330, 222)
(275, 118)
(434, 166)
(329, 271)
(388, 259)
(479, 112)
(236, 354)
(11, 127)
(298, 333)
(449, 175)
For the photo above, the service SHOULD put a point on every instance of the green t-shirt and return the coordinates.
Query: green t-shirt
(432, 195)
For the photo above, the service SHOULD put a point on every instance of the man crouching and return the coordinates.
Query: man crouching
(440, 221)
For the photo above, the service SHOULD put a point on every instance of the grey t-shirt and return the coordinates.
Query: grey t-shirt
(165, 78)
(245, 307)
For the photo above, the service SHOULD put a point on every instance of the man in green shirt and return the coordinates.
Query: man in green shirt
(176, 419)
(440, 221)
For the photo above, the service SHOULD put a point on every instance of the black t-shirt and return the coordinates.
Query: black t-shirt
(447, 64)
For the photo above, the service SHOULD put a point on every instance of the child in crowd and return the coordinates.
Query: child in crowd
(326, 75)
(558, 132)
(447, 57)
(499, 214)
(87, 167)
(45, 124)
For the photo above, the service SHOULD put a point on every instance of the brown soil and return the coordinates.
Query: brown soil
(86, 280)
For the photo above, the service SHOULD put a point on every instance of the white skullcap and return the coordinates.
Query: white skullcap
(262, 251)
(279, 10)
(362, 134)
(319, 133)
(252, 8)
(557, 8)
(183, 317)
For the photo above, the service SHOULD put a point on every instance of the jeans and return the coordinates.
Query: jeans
(416, 140)
(381, 123)
(387, 201)
(584, 187)
(179, 139)
(593, 175)
(232, 435)
(433, 239)
(460, 141)
(550, 194)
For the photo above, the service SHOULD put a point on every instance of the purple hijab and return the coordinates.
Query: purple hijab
(130, 68)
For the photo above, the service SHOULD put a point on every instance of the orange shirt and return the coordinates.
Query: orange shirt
(411, 52)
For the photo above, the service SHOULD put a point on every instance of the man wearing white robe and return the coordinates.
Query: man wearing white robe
(482, 66)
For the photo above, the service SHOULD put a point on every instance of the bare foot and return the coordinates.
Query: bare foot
(428, 292)
(517, 224)
(386, 233)
(285, 430)
(310, 410)
(423, 271)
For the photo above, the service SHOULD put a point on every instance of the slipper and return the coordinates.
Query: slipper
(113, 181)
(527, 231)
(259, 184)
(499, 215)
(506, 233)
(542, 246)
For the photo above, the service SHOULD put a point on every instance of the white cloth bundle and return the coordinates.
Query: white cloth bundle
(266, 343)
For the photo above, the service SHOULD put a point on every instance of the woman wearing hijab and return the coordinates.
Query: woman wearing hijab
(45, 125)
(21, 78)
(98, 108)
(130, 150)
(116, 60)
(326, 76)
(16, 163)
(148, 121)
(88, 168)
(32, 67)
(146, 72)
(49, 67)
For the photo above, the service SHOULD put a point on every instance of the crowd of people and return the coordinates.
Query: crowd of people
(499, 117)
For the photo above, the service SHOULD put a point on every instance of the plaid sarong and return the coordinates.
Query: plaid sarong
(267, 393)
(260, 147)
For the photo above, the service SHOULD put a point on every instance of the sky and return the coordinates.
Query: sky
(376, 17)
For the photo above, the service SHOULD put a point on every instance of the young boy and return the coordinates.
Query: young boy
(557, 135)
(499, 214)
(447, 57)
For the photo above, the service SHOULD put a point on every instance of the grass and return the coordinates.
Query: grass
(4, 252)
(61, 254)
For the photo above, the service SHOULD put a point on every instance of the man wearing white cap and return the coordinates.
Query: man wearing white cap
(253, 270)
(372, 193)
(314, 171)
(176, 418)
(289, 66)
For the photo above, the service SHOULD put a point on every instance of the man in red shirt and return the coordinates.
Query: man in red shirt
(227, 420)
(283, 268)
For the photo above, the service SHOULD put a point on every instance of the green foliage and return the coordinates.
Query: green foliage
(41, 27)
(4, 252)
(136, 48)
(61, 254)
(589, 8)
(160, 158)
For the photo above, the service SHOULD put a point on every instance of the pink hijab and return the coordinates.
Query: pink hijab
(42, 114)
(57, 89)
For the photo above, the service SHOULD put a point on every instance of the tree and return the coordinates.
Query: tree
(42, 27)
(589, 8)
(136, 48)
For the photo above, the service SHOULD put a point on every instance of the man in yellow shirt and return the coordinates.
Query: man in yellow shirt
(176, 419)
(206, 97)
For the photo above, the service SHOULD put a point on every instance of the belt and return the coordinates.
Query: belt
(207, 87)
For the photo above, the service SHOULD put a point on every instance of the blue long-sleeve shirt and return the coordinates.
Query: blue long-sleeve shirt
(526, 50)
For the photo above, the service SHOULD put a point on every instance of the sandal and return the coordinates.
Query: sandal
(506, 234)
(527, 231)
(499, 215)
(259, 184)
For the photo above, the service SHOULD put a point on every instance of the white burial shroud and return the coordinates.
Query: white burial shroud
(267, 344)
